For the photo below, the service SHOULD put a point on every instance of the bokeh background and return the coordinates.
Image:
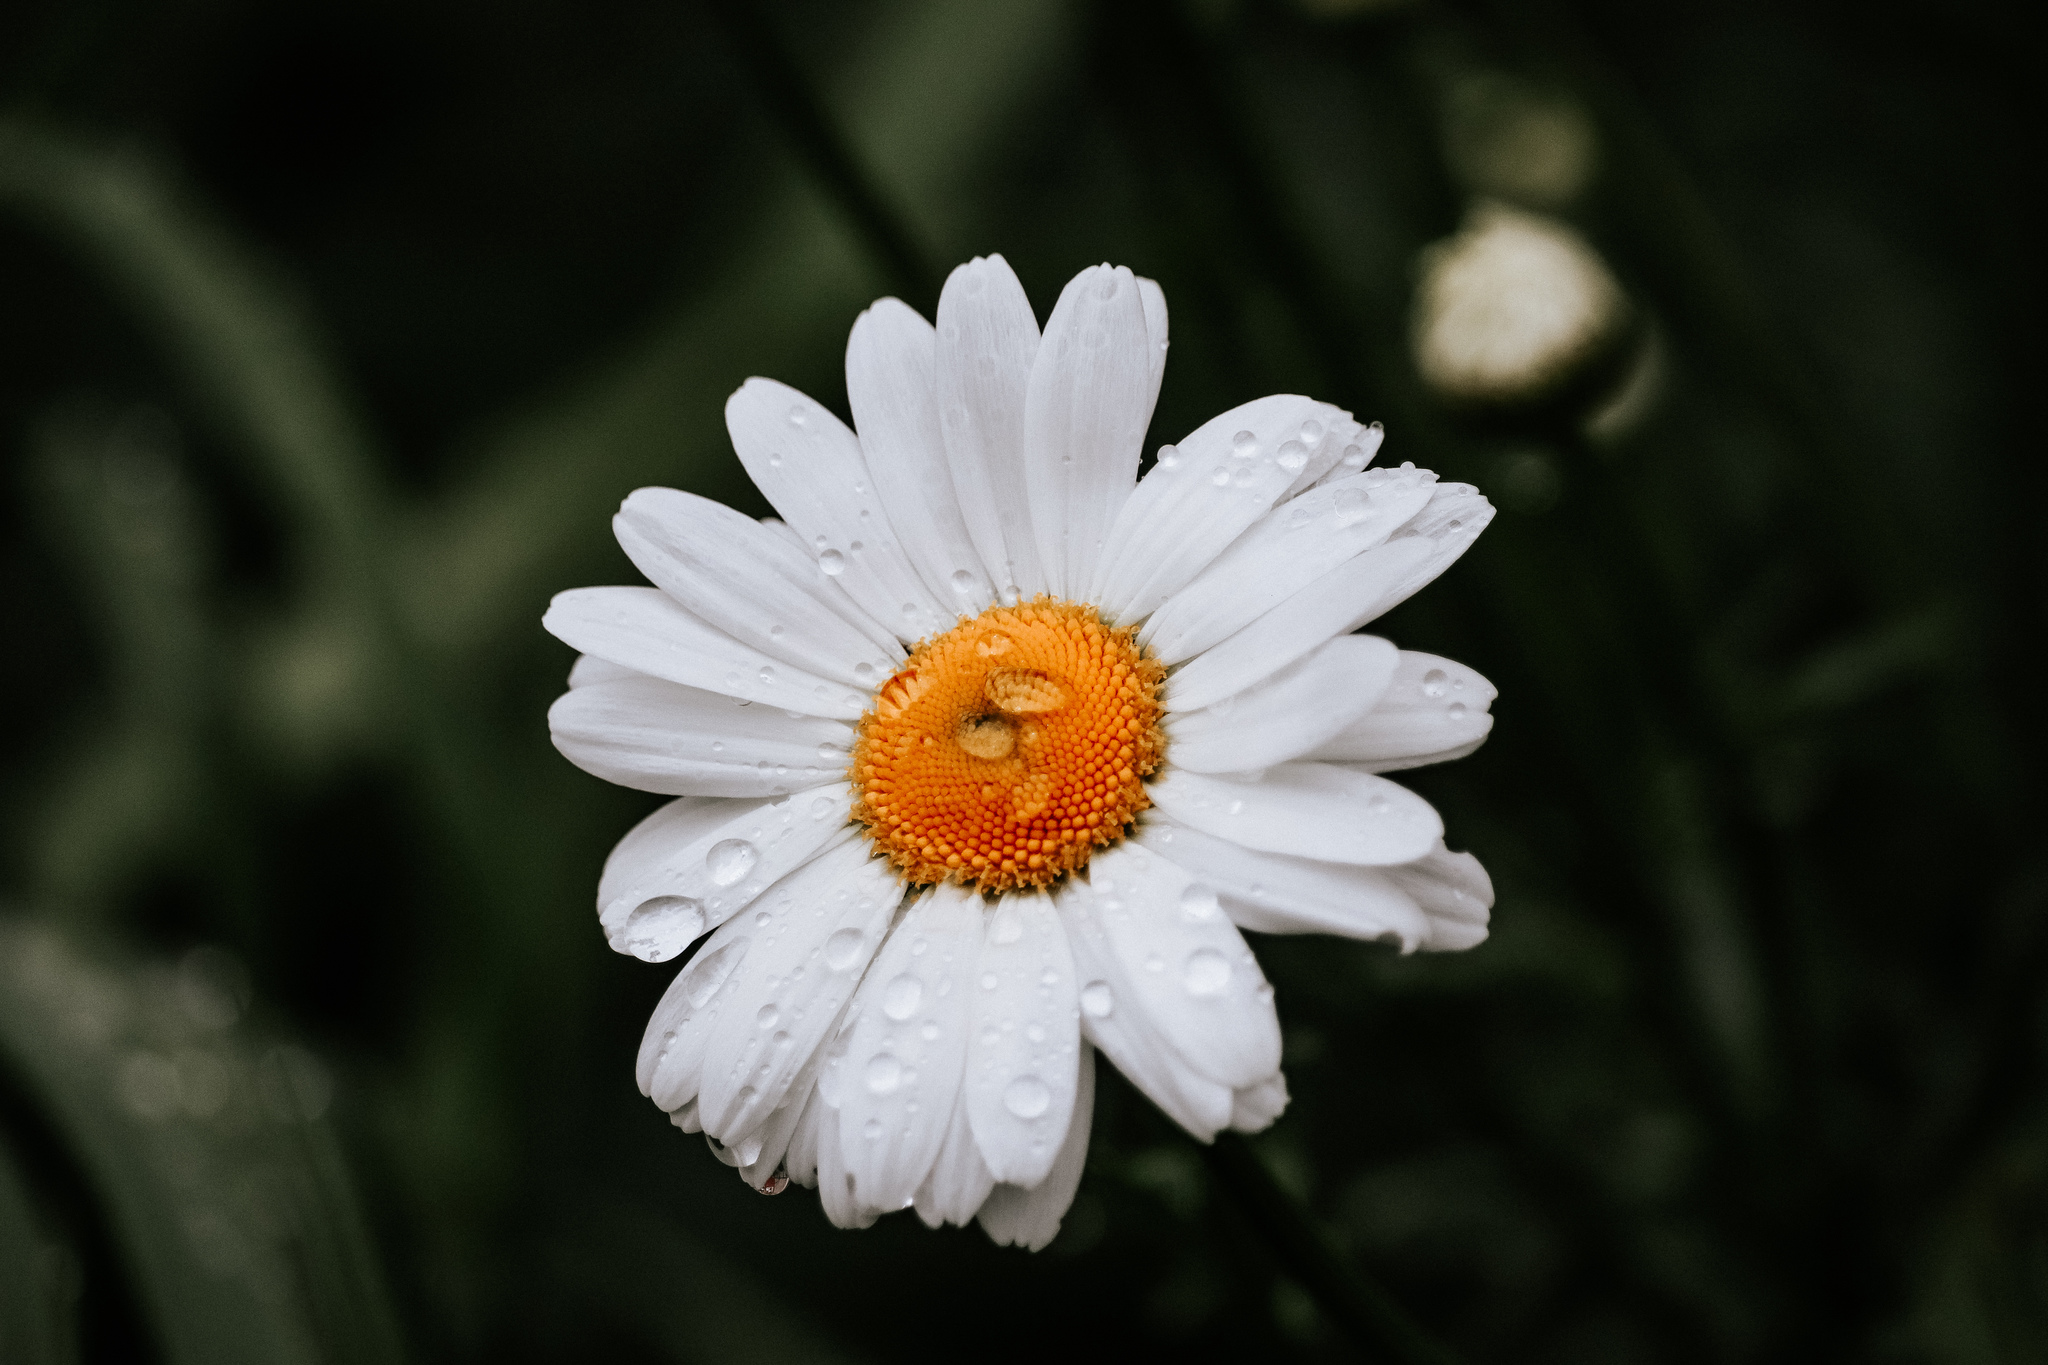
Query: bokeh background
(331, 333)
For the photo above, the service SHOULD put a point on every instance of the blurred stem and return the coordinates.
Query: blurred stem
(1359, 1307)
(790, 100)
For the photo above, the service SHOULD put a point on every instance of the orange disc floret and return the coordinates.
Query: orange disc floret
(1004, 752)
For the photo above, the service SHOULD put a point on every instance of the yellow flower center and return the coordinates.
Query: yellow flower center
(1004, 752)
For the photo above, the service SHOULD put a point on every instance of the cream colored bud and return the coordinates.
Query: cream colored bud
(1512, 306)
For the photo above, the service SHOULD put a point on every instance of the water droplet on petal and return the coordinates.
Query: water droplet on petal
(842, 950)
(1098, 1000)
(661, 927)
(1435, 682)
(1293, 455)
(1244, 445)
(767, 1016)
(832, 563)
(777, 1183)
(797, 417)
(864, 670)
(963, 582)
(900, 998)
(1219, 476)
(989, 981)
(1027, 1097)
(1456, 710)
(1198, 902)
(1206, 973)
(884, 1073)
(729, 860)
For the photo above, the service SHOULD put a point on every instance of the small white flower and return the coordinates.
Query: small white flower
(987, 751)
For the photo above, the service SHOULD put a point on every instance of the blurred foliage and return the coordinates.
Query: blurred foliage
(335, 331)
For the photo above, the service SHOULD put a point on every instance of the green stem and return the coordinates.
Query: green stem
(1358, 1306)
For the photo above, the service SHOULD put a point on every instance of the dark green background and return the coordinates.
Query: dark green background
(331, 333)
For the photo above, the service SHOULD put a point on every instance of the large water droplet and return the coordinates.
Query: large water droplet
(1456, 710)
(1244, 445)
(1027, 1097)
(884, 1073)
(1293, 455)
(963, 582)
(901, 996)
(729, 860)
(1311, 432)
(661, 927)
(832, 563)
(1169, 457)
(766, 675)
(1206, 973)
(797, 417)
(767, 1016)
(842, 950)
(1198, 902)
(777, 1183)
(1098, 1000)
(1435, 682)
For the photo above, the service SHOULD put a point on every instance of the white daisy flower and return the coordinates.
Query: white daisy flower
(987, 751)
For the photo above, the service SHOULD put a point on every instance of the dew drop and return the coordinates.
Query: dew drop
(1243, 476)
(1169, 457)
(1198, 902)
(767, 674)
(767, 1017)
(901, 996)
(777, 1183)
(842, 950)
(1027, 1097)
(1311, 432)
(1435, 682)
(797, 417)
(1219, 476)
(1244, 445)
(660, 927)
(884, 1073)
(989, 981)
(1293, 455)
(1206, 973)
(864, 670)
(821, 808)
(963, 582)
(832, 563)
(729, 860)
(1456, 710)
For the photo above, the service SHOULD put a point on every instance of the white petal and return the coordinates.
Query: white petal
(835, 1182)
(589, 669)
(1284, 552)
(1200, 497)
(900, 1077)
(815, 933)
(1114, 1019)
(1186, 965)
(1434, 710)
(1024, 1037)
(892, 384)
(1154, 299)
(671, 1061)
(988, 339)
(766, 1151)
(660, 737)
(746, 580)
(1289, 714)
(810, 466)
(1254, 1107)
(960, 1180)
(1312, 810)
(801, 1160)
(1030, 1218)
(1272, 893)
(695, 862)
(1336, 604)
(646, 631)
(1085, 413)
(1456, 894)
